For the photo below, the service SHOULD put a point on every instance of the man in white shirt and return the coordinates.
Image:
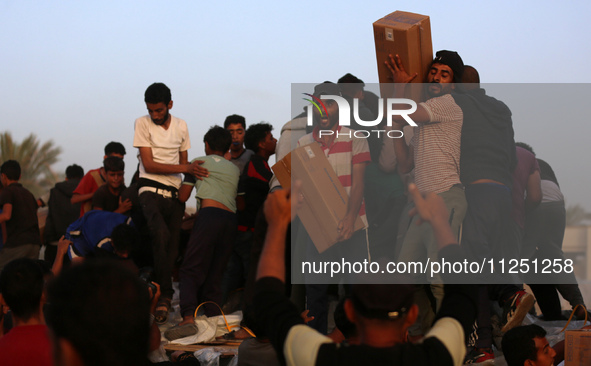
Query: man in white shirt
(163, 142)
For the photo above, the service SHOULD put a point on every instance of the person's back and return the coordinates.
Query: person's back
(61, 212)
(19, 212)
(487, 145)
(99, 315)
(214, 230)
(27, 343)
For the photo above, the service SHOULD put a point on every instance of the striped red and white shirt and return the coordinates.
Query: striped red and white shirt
(345, 151)
(437, 146)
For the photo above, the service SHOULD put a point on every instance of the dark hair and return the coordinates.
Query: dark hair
(234, 118)
(255, 134)
(114, 148)
(519, 345)
(114, 164)
(349, 78)
(45, 267)
(219, 139)
(451, 59)
(21, 284)
(74, 172)
(12, 169)
(125, 238)
(157, 93)
(526, 147)
(102, 309)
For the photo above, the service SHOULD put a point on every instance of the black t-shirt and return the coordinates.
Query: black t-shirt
(105, 200)
(254, 186)
(23, 226)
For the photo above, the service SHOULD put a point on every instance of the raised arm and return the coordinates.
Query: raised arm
(277, 209)
(401, 79)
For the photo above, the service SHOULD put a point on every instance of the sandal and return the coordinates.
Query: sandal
(180, 331)
(161, 312)
(235, 335)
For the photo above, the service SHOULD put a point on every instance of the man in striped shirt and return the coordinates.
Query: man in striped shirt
(348, 156)
(434, 153)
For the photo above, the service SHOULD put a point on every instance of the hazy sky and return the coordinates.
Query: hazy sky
(75, 71)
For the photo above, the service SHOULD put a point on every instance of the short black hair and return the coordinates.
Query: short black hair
(255, 134)
(349, 78)
(518, 344)
(235, 118)
(526, 147)
(74, 172)
(114, 148)
(12, 169)
(218, 139)
(114, 164)
(157, 93)
(102, 309)
(125, 238)
(451, 59)
(21, 284)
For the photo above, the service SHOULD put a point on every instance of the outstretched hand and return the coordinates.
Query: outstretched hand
(399, 74)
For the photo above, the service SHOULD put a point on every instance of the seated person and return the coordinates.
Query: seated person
(27, 343)
(108, 196)
(381, 313)
(527, 346)
(98, 234)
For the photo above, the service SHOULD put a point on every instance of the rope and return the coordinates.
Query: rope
(573, 313)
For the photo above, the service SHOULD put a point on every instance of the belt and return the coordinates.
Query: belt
(163, 192)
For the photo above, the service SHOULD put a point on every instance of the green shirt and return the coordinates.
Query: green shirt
(222, 183)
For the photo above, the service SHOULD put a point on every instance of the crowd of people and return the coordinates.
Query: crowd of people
(457, 187)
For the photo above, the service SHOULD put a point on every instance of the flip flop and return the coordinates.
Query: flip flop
(180, 331)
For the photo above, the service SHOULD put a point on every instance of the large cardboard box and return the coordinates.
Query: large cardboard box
(577, 347)
(409, 36)
(325, 199)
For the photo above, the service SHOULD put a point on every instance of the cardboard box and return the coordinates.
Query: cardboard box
(325, 199)
(577, 347)
(409, 36)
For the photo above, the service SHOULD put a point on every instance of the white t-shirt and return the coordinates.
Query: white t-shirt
(166, 146)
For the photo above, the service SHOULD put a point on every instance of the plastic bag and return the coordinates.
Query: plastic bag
(211, 327)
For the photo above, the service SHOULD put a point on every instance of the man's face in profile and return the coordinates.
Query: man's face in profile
(545, 353)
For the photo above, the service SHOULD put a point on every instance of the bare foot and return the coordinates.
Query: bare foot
(187, 320)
